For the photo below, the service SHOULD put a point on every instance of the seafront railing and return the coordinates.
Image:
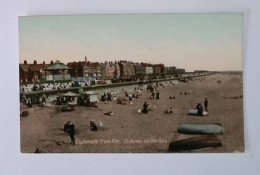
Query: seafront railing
(95, 87)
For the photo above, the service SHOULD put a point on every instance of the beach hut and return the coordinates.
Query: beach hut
(69, 98)
(88, 98)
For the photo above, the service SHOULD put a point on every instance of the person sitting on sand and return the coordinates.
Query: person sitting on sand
(119, 100)
(135, 96)
(199, 109)
(139, 111)
(171, 97)
(109, 113)
(168, 111)
(37, 150)
(109, 96)
(123, 101)
(100, 125)
(93, 125)
(130, 100)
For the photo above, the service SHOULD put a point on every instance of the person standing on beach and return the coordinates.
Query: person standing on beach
(157, 95)
(153, 94)
(109, 96)
(130, 100)
(145, 107)
(72, 132)
(206, 104)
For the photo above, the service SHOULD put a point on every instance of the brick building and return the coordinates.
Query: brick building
(31, 72)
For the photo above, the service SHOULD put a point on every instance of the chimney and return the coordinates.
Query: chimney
(25, 62)
(51, 62)
(86, 59)
(43, 63)
(35, 62)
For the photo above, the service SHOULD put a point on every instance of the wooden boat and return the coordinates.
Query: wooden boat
(194, 143)
(201, 128)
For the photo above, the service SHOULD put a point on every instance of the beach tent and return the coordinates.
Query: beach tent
(70, 94)
(68, 97)
(93, 97)
(88, 98)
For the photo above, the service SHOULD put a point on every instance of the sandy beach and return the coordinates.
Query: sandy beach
(129, 132)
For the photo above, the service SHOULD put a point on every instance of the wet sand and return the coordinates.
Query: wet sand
(129, 132)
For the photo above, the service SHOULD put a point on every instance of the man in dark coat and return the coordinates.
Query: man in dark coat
(109, 96)
(145, 107)
(157, 94)
(93, 125)
(72, 132)
(206, 104)
(153, 94)
(67, 127)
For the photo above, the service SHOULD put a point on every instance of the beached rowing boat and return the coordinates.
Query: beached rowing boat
(201, 128)
(194, 143)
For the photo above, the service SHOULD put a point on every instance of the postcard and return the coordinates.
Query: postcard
(153, 83)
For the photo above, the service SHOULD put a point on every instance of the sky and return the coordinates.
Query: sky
(190, 41)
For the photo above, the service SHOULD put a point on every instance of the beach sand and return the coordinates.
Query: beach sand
(129, 132)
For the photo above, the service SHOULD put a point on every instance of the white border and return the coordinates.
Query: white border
(13, 162)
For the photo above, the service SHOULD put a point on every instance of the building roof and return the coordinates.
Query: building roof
(83, 63)
(24, 67)
(32, 67)
(58, 66)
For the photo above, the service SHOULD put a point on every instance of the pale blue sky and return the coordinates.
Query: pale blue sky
(190, 41)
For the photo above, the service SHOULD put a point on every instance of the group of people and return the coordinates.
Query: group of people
(157, 95)
(107, 96)
(185, 92)
(94, 126)
(69, 127)
(169, 111)
(199, 107)
(146, 107)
